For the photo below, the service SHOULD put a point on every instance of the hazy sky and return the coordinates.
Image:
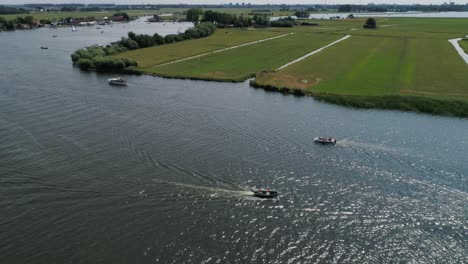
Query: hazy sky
(227, 1)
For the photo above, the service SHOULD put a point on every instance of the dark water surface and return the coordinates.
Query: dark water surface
(159, 171)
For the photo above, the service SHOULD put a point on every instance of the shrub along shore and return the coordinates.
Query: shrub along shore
(420, 104)
(100, 58)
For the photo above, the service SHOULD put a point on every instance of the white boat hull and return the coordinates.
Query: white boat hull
(119, 82)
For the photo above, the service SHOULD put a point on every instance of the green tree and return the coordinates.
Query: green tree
(344, 8)
(302, 14)
(370, 23)
(193, 14)
(125, 15)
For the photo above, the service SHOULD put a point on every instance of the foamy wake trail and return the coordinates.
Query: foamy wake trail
(346, 142)
(240, 192)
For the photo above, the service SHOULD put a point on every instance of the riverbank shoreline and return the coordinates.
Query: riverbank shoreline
(409, 103)
(405, 103)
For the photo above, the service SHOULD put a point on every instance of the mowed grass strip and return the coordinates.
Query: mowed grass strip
(464, 44)
(222, 38)
(242, 63)
(359, 65)
(439, 70)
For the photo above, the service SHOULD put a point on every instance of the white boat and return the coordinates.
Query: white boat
(325, 140)
(117, 81)
(73, 28)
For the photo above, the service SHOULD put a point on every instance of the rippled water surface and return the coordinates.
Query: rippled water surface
(159, 171)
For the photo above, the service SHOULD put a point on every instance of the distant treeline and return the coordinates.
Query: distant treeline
(262, 7)
(225, 20)
(401, 8)
(99, 58)
(7, 25)
(11, 10)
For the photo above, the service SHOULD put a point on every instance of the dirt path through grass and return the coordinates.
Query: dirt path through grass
(225, 49)
(313, 52)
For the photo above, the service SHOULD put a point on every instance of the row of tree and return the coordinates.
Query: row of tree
(6, 24)
(136, 41)
(100, 58)
(11, 23)
(11, 10)
(225, 19)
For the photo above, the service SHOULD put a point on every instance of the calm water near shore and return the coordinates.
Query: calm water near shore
(159, 172)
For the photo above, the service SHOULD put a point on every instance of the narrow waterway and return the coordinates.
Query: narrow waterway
(159, 172)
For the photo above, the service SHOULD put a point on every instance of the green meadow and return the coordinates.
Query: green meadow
(149, 57)
(406, 61)
(464, 44)
(244, 62)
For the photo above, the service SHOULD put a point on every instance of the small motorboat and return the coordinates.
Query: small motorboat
(264, 193)
(117, 81)
(325, 140)
(54, 36)
(44, 48)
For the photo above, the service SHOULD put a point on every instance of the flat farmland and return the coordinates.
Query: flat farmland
(244, 62)
(149, 57)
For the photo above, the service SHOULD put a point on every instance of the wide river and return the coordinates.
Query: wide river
(160, 171)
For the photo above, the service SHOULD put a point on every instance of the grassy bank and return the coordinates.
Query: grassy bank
(446, 107)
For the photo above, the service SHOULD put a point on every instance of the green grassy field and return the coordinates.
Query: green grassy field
(152, 56)
(464, 44)
(394, 60)
(242, 63)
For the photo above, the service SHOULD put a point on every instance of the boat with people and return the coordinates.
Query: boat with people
(264, 193)
(325, 140)
(117, 81)
(44, 47)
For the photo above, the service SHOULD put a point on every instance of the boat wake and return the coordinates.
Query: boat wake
(346, 142)
(238, 192)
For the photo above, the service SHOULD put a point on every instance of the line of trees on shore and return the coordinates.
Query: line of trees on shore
(100, 58)
(18, 22)
(222, 20)
(11, 10)
(137, 41)
(28, 22)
